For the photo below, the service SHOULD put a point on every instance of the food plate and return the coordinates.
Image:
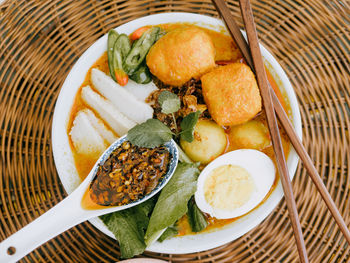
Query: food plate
(65, 163)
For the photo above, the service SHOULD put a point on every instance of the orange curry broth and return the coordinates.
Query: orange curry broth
(226, 50)
(84, 163)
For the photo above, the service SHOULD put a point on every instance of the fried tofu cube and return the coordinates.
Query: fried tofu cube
(225, 47)
(231, 94)
(182, 54)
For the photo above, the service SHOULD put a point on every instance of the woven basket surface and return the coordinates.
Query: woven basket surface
(41, 40)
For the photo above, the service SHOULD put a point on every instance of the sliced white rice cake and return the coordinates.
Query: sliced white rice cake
(107, 111)
(100, 127)
(86, 139)
(123, 100)
(140, 91)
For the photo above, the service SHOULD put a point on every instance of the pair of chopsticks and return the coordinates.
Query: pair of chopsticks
(272, 106)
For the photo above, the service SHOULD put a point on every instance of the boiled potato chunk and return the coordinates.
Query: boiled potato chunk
(231, 94)
(180, 55)
(250, 135)
(209, 142)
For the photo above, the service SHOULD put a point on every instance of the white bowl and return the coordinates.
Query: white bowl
(65, 163)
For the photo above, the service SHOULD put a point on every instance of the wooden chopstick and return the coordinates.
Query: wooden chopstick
(284, 120)
(273, 126)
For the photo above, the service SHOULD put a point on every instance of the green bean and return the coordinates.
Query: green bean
(120, 49)
(119, 73)
(160, 34)
(142, 75)
(139, 50)
(112, 37)
(123, 44)
(117, 57)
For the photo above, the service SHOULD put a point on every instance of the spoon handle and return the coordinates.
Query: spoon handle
(61, 217)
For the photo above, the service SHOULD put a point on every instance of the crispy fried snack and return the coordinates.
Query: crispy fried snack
(231, 94)
(180, 55)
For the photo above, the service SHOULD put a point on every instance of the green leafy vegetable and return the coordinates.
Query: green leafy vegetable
(196, 218)
(124, 226)
(183, 156)
(172, 202)
(171, 231)
(147, 206)
(187, 126)
(129, 227)
(169, 102)
(150, 134)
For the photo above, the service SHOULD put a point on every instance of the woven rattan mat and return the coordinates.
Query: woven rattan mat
(41, 40)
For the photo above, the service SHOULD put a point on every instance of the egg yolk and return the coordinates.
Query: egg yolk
(228, 187)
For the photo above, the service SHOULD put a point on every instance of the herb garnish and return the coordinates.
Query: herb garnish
(196, 218)
(150, 134)
(153, 132)
(170, 103)
(172, 201)
(187, 126)
(170, 232)
(129, 226)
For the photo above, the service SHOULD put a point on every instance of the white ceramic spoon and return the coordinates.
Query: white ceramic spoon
(69, 212)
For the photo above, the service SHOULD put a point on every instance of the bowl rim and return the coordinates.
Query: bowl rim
(64, 161)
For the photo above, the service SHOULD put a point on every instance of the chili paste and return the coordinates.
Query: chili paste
(129, 173)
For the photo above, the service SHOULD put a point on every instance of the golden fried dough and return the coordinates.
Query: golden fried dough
(225, 47)
(231, 94)
(180, 55)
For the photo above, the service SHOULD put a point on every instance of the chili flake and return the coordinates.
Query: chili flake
(129, 173)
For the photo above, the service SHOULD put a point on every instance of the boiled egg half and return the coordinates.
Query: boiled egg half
(234, 183)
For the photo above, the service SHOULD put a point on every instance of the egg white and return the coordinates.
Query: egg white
(259, 166)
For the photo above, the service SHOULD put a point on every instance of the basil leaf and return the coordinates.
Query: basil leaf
(169, 102)
(172, 201)
(149, 134)
(171, 106)
(170, 232)
(182, 155)
(196, 218)
(129, 227)
(187, 126)
(124, 226)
